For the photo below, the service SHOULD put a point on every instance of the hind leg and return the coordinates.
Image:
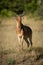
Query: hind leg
(22, 42)
(26, 40)
(30, 41)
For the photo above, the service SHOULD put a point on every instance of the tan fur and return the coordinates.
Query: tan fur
(22, 33)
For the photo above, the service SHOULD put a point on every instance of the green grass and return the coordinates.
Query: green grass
(10, 61)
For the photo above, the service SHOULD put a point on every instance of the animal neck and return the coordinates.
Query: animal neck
(18, 27)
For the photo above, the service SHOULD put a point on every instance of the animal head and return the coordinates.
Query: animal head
(18, 19)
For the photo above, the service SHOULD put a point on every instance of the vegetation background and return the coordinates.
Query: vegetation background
(11, 7)
(10, 54)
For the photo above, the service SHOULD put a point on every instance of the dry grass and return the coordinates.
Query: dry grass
(9, 54)
(31, 56)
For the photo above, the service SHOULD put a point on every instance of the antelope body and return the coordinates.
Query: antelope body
(23, 32)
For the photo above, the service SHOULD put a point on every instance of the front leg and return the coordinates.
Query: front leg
(20, 39)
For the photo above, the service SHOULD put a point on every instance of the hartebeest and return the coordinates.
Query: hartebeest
(23, 32)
